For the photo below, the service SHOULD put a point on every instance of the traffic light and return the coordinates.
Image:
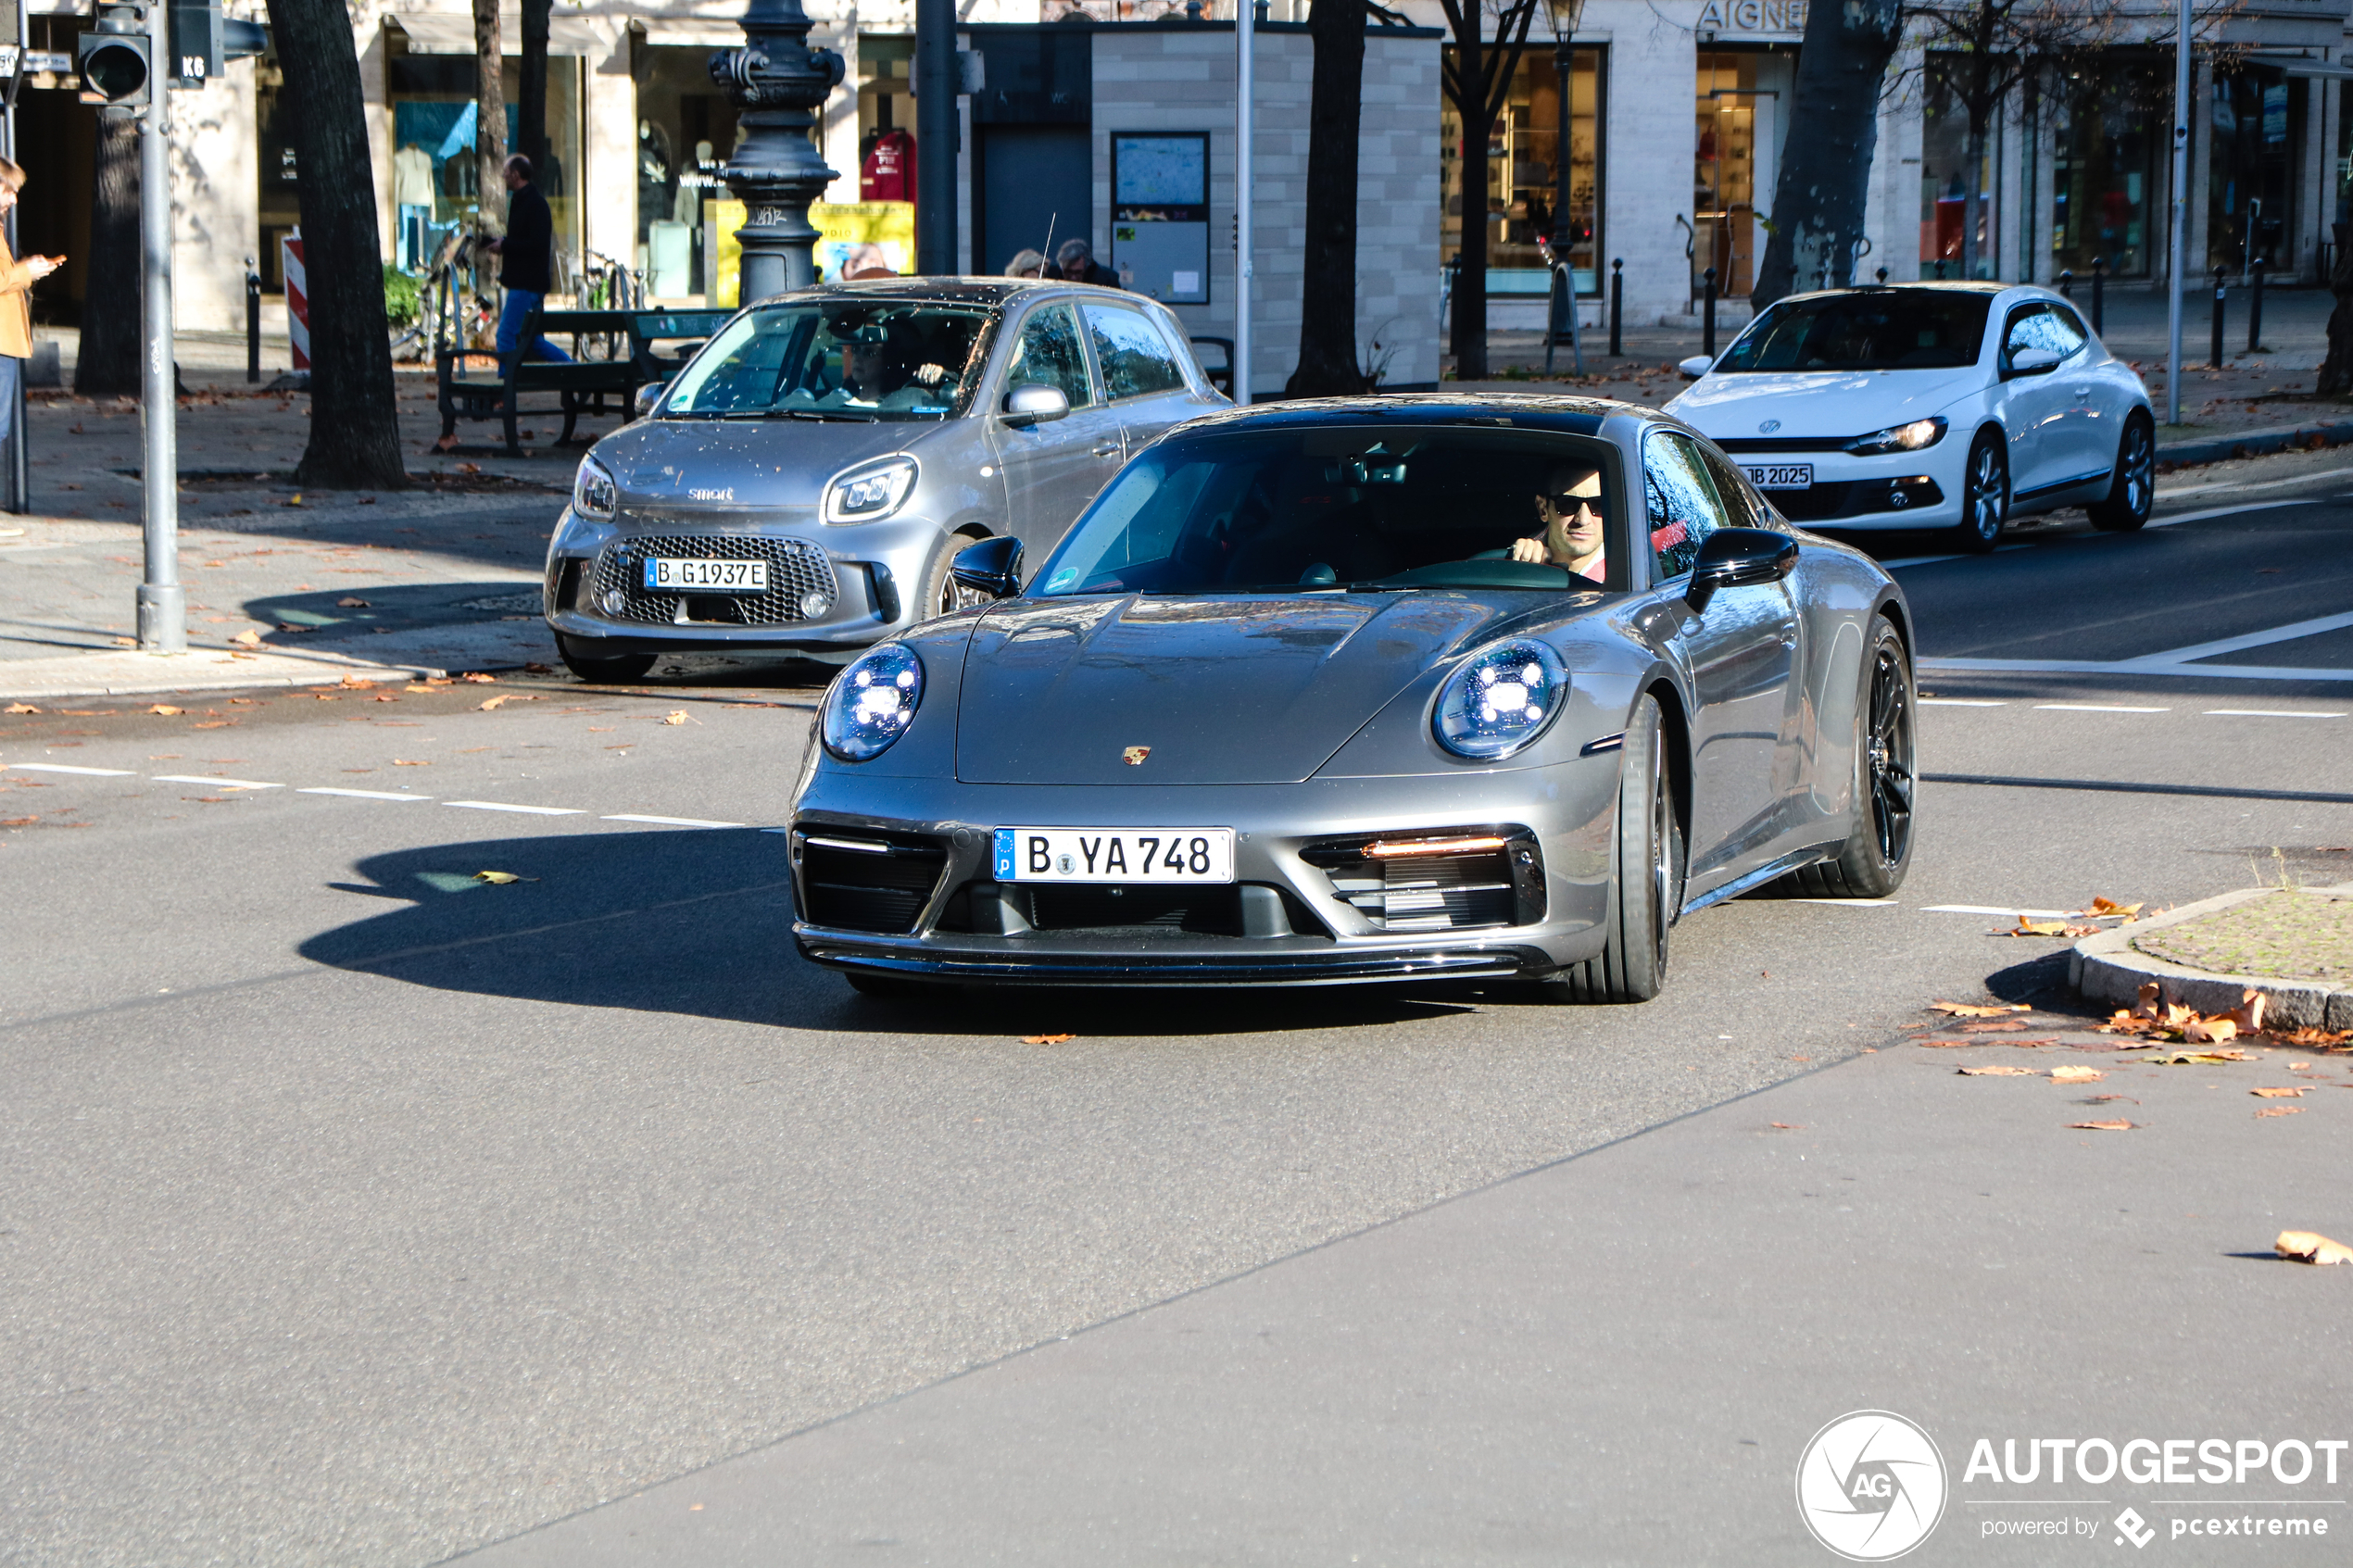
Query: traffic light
(202, 39)
(116, 72)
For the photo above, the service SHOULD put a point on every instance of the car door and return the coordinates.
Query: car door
(2035, 406)
(1054, 470)
(1741, 651)
(1141, 374)
(2096, 407)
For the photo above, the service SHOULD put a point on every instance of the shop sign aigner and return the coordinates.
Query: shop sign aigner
(1753, 16)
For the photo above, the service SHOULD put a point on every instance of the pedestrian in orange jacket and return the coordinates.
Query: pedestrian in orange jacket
(17, 278)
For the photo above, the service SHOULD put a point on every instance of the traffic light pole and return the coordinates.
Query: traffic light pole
(163, 602)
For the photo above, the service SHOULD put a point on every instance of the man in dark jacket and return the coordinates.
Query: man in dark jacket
(528, 254)
(1077, 264)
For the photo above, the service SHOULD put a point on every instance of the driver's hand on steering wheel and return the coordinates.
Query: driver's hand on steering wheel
(929, 375)
(1531, 550)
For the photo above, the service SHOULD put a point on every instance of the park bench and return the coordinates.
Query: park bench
(579, 388)
(686, 331)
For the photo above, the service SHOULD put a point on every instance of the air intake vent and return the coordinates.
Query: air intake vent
(855, 883)
(1457, 879)
(1142, 911)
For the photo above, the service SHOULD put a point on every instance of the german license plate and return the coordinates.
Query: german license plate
(1782, 476)
(669, 574)
(1115, 855)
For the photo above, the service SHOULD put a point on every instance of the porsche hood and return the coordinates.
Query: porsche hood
(1214, 691)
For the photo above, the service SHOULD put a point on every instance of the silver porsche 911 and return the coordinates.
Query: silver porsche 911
(1395, 688)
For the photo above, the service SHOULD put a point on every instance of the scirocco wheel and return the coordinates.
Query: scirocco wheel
(2133, 489)
(1985, 494)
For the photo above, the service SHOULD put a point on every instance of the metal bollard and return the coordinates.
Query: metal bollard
(2216, 361)
(1707, 322)
(1882, 277)
(2067, 284)
(1617, 308)
(2099, 296)
(253, 322)
(2255, 309)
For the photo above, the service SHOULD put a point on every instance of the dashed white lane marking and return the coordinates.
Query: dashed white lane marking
(2266, 485)
(61, 768)
(529, 810)
(363, 793)
(2094, 708)
(1994, 910)
(215, 783)
(1959, 702)
(2218, 512)
(2265, 713)
(671, 822)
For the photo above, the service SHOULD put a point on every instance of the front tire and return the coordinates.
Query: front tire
(2132, 490)
(942, 594)
(615, 670)
(1649, 893)
(1985, 494)
(1878, 850)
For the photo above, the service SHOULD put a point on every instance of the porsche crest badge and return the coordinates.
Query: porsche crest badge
(1134, 756)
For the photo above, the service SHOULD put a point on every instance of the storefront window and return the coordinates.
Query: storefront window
(1523, 179)
(1724, 168)
(1945, 185)
(2256, 125)
(2107, 131)
(435, 179)
(685, 129)
(280, 207)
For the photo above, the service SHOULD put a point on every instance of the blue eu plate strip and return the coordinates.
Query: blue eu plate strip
(1004, 855)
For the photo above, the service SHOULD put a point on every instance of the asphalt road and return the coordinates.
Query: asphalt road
(358, 1211)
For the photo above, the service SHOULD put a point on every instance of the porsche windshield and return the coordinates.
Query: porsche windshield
(837, 360)
(1872, 330)
(1372, 508)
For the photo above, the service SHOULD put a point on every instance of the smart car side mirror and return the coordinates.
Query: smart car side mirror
(1034, 405)
(1736, 557)
(993, 566)
(1695, 366)
(2034, 362)
(648, 396)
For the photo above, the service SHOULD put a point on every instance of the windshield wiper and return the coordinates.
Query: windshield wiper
(830, 416)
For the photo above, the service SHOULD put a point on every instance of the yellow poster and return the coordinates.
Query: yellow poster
(842, 229)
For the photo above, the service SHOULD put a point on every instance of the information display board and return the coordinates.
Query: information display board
(1160, 214)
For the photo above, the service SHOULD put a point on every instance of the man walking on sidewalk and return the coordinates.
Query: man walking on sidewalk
(528, 253)
(17, 278)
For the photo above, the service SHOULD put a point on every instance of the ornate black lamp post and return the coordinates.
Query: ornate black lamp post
(777, 82)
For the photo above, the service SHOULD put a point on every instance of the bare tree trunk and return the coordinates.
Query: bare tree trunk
(108, 363)
(355, 431)
(2337, 370)
(1975, 152)
(490, 118)
(1825, 177)
(530, 95)
(1328, 293)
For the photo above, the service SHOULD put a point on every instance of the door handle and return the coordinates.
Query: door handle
(1105, 448)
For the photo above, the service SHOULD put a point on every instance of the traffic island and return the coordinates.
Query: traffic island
(2293, 946)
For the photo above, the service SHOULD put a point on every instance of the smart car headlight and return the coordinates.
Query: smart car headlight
(872, 702)
(1500, 699)
(594, 493)
(871, 493)
(1900, 438)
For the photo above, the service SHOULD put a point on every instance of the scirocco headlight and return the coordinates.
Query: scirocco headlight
(870, 494)
(1900, 438)
(872, 702)
(1500, 698)
(594, 493)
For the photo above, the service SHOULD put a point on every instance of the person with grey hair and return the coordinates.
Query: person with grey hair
(1076, 260)
(1026, 264)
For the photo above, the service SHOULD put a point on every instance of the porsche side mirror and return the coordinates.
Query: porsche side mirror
(1695, 366)
(1027, 406)
(648, 396)
(1736, 557)
(993, 566)
(2033, 362)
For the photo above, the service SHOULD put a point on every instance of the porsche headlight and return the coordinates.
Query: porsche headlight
(871, 492)
(594, 493)
(1900, 438)
(1500, 698)
(872, 702)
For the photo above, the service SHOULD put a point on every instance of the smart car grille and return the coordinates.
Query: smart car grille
(1143, 910)
(856, 881)
(1457, 879)
(797, 568)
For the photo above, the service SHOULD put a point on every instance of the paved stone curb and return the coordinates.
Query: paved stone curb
(2254, 443)
(2108, 968)
(133, 673)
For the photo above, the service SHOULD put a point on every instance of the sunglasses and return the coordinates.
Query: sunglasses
(1569, 501)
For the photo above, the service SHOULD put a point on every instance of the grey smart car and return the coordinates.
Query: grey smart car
(806, 477)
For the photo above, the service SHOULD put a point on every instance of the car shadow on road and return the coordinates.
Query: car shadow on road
(699, 923)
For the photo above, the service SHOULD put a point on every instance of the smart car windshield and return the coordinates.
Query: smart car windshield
(1872, 330)
(1368, 507)
(856, 360)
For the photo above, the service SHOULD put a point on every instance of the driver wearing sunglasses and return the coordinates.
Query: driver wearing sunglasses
(1572, 532)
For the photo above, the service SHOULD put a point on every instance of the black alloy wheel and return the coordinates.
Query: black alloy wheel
(612, 670)
(1878, 845)
(1633, 963)
(942, 594)
(1985, 494)
(2133, 490)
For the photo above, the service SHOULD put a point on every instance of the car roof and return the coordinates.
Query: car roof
(1573, 415)
(997, 291)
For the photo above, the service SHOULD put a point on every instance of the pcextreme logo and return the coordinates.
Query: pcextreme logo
(1870, 1485)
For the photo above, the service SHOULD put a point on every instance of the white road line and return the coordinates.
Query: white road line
(2267, 485)
(217, 783)
(2265, 713)
(775, 830)
(501, 806)
(1960, 702)
(1994, 910)
(2132, 667)
(1931, 560)
(2094, 708)
(672, 821)
(2292, 632)
(2217, 511)
(61, 768)
(364, 794)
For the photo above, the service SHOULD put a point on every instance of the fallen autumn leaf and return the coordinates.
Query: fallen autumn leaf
(1996, 1072)
(2310, 1247)
(1975, 1009)
(165, 709)
(2118, 1126)
(1046, 1039)
(2076, 1074)
(22, 708)
(2280, 1111)
(2281, 1091)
